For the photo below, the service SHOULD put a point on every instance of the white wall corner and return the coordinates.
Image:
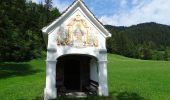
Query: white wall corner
(102, 55)
(103, 82)
(50, 91)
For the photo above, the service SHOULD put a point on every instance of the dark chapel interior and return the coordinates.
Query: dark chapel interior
(73, 73)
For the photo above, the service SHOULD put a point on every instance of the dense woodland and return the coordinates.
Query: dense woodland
(21, 22)
(21, 39)
(144, 41)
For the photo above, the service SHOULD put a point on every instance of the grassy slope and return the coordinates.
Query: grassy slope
(22, 81)
(129, 79)
(147, 79)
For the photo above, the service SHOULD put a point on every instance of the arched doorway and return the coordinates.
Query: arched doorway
(73, 73)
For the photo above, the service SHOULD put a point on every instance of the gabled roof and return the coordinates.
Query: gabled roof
(75, 4)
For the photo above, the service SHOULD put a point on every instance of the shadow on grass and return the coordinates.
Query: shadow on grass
(16, 69)
(126, 96)
(112, 96)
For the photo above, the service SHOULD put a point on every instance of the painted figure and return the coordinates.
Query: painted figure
(77, 34)
(62, 36)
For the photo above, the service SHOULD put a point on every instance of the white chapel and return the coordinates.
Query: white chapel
(76, 53)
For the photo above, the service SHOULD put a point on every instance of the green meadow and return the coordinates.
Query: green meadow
(132, 79)
(129, 79)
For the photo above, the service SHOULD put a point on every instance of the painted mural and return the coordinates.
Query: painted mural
(77, 33)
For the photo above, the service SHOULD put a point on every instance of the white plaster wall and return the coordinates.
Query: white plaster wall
(98, 69)
(50, 91)
(94, 70)
(62, 50)
(103, 85)
(52, 47)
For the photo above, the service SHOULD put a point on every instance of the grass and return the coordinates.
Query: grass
(129, 79)
(22, 81)
(146, 79)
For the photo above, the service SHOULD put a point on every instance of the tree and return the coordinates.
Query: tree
(48, 6)
(144, 41)
(20, 24)
(167, 54)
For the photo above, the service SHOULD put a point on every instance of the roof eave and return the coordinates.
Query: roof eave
(107, 33)
(46, 29)
(110, 35)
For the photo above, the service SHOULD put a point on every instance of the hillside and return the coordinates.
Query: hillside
(128, 79)
(144, 41)
(133, 79)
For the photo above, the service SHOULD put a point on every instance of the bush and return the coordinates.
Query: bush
(158, 55)
(167, 54)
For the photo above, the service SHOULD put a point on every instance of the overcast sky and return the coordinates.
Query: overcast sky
(124, 12)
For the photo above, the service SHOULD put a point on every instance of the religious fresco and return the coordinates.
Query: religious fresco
(77, 33)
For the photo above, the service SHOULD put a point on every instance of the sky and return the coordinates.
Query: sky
(124, 12)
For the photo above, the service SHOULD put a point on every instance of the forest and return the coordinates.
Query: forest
(21, 39)
(148, 41)
(21, 22)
